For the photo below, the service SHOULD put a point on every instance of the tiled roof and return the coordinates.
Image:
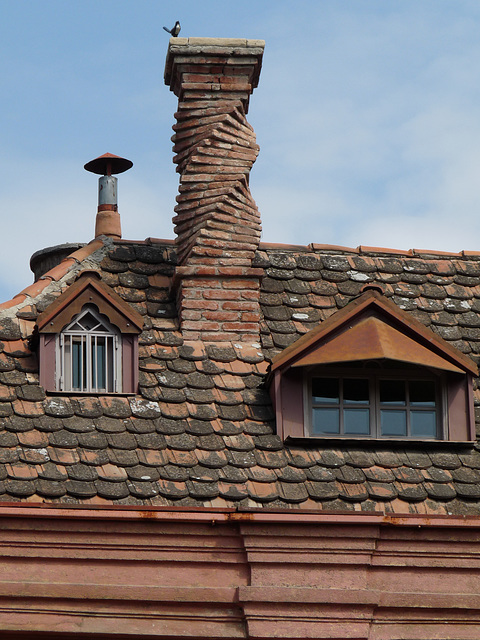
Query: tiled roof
(201, 430)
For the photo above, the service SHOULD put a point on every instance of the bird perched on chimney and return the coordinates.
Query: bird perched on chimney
(175, 30)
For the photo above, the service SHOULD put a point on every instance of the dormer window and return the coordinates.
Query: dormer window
(372, 372)
(379, 405)
(89, 341)
(90, 354)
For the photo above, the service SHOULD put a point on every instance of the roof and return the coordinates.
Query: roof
(201, 430)
(371, 328)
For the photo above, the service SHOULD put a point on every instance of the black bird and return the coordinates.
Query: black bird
(175, 30)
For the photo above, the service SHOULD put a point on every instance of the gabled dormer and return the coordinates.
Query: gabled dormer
(89, 340)
(373, 371)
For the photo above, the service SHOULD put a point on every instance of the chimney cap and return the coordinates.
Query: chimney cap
(108, 164)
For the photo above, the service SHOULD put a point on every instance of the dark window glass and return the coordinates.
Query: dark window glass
(326, 421)
(357, 421)
(393, 422)
(423, 424)
(326, 390)
(356, 391)
(355, 406)
(422, 393)
(392, 392)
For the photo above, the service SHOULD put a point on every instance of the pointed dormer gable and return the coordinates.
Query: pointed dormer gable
(89, 340)
(373, 371)
(89, 290)
(373, 328)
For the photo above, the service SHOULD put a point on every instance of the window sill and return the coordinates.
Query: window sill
(120, 394)
(314, 441)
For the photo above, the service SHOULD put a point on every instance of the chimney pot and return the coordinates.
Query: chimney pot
(108, 219)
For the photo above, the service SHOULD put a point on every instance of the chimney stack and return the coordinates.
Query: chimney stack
(217, 222)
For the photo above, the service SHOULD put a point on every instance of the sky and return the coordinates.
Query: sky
(367, 115)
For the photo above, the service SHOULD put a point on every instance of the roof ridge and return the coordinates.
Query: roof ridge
(55, 274)
(367, 250)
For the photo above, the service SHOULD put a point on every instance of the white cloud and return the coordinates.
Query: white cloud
(367, 115)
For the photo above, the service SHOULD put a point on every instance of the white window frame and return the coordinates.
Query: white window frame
(89, 339)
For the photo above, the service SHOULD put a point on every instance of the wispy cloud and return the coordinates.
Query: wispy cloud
(367, 115)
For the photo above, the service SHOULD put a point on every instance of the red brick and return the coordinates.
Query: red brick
(250, 317)
(251, 295)
(240, 326)
(221, 316)
(240, 305)
(218, 336)
(201, 326)
(241, 284)
(208, 283)
(220, 294)
(200, 304)
(189, 314)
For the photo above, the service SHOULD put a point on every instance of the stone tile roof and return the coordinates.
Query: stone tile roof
(201, 432)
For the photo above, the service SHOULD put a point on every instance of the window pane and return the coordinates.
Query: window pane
(423, 424)
(89, 322)
(392, 392)
(356, 391)
(422, 393)
(325, 390)
(78, 363)
(357, 421)
(393, 423)
(109, 365)
(98, 363)
(326, 421)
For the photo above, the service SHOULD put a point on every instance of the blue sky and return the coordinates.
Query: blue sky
(367, 115)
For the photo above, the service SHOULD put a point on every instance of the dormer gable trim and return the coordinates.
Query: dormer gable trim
(369, 328)
(88, 289)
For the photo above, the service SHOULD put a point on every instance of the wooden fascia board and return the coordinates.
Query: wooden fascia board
(385, 307)
(111, 299)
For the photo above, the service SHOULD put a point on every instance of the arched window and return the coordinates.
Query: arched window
(89, 341)
(90, 354)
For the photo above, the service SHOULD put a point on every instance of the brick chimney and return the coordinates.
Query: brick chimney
(217, 222)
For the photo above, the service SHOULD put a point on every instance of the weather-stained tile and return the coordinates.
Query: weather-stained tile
(352, 492)
(322, 490)
(261, 492)
(21, 471)
(408, 475)
(111, 472)
(440, 491)
(382, 490)
(63, 456)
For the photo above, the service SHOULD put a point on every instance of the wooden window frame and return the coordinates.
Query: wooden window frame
(372, 329)
(374, 405)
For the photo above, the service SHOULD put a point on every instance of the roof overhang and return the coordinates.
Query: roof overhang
(373, 328)
(88, 289)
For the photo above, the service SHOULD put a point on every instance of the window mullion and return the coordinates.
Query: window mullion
(375, 415)
(105, 364)
(407, 407)
(341, 408)
(85, 363)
